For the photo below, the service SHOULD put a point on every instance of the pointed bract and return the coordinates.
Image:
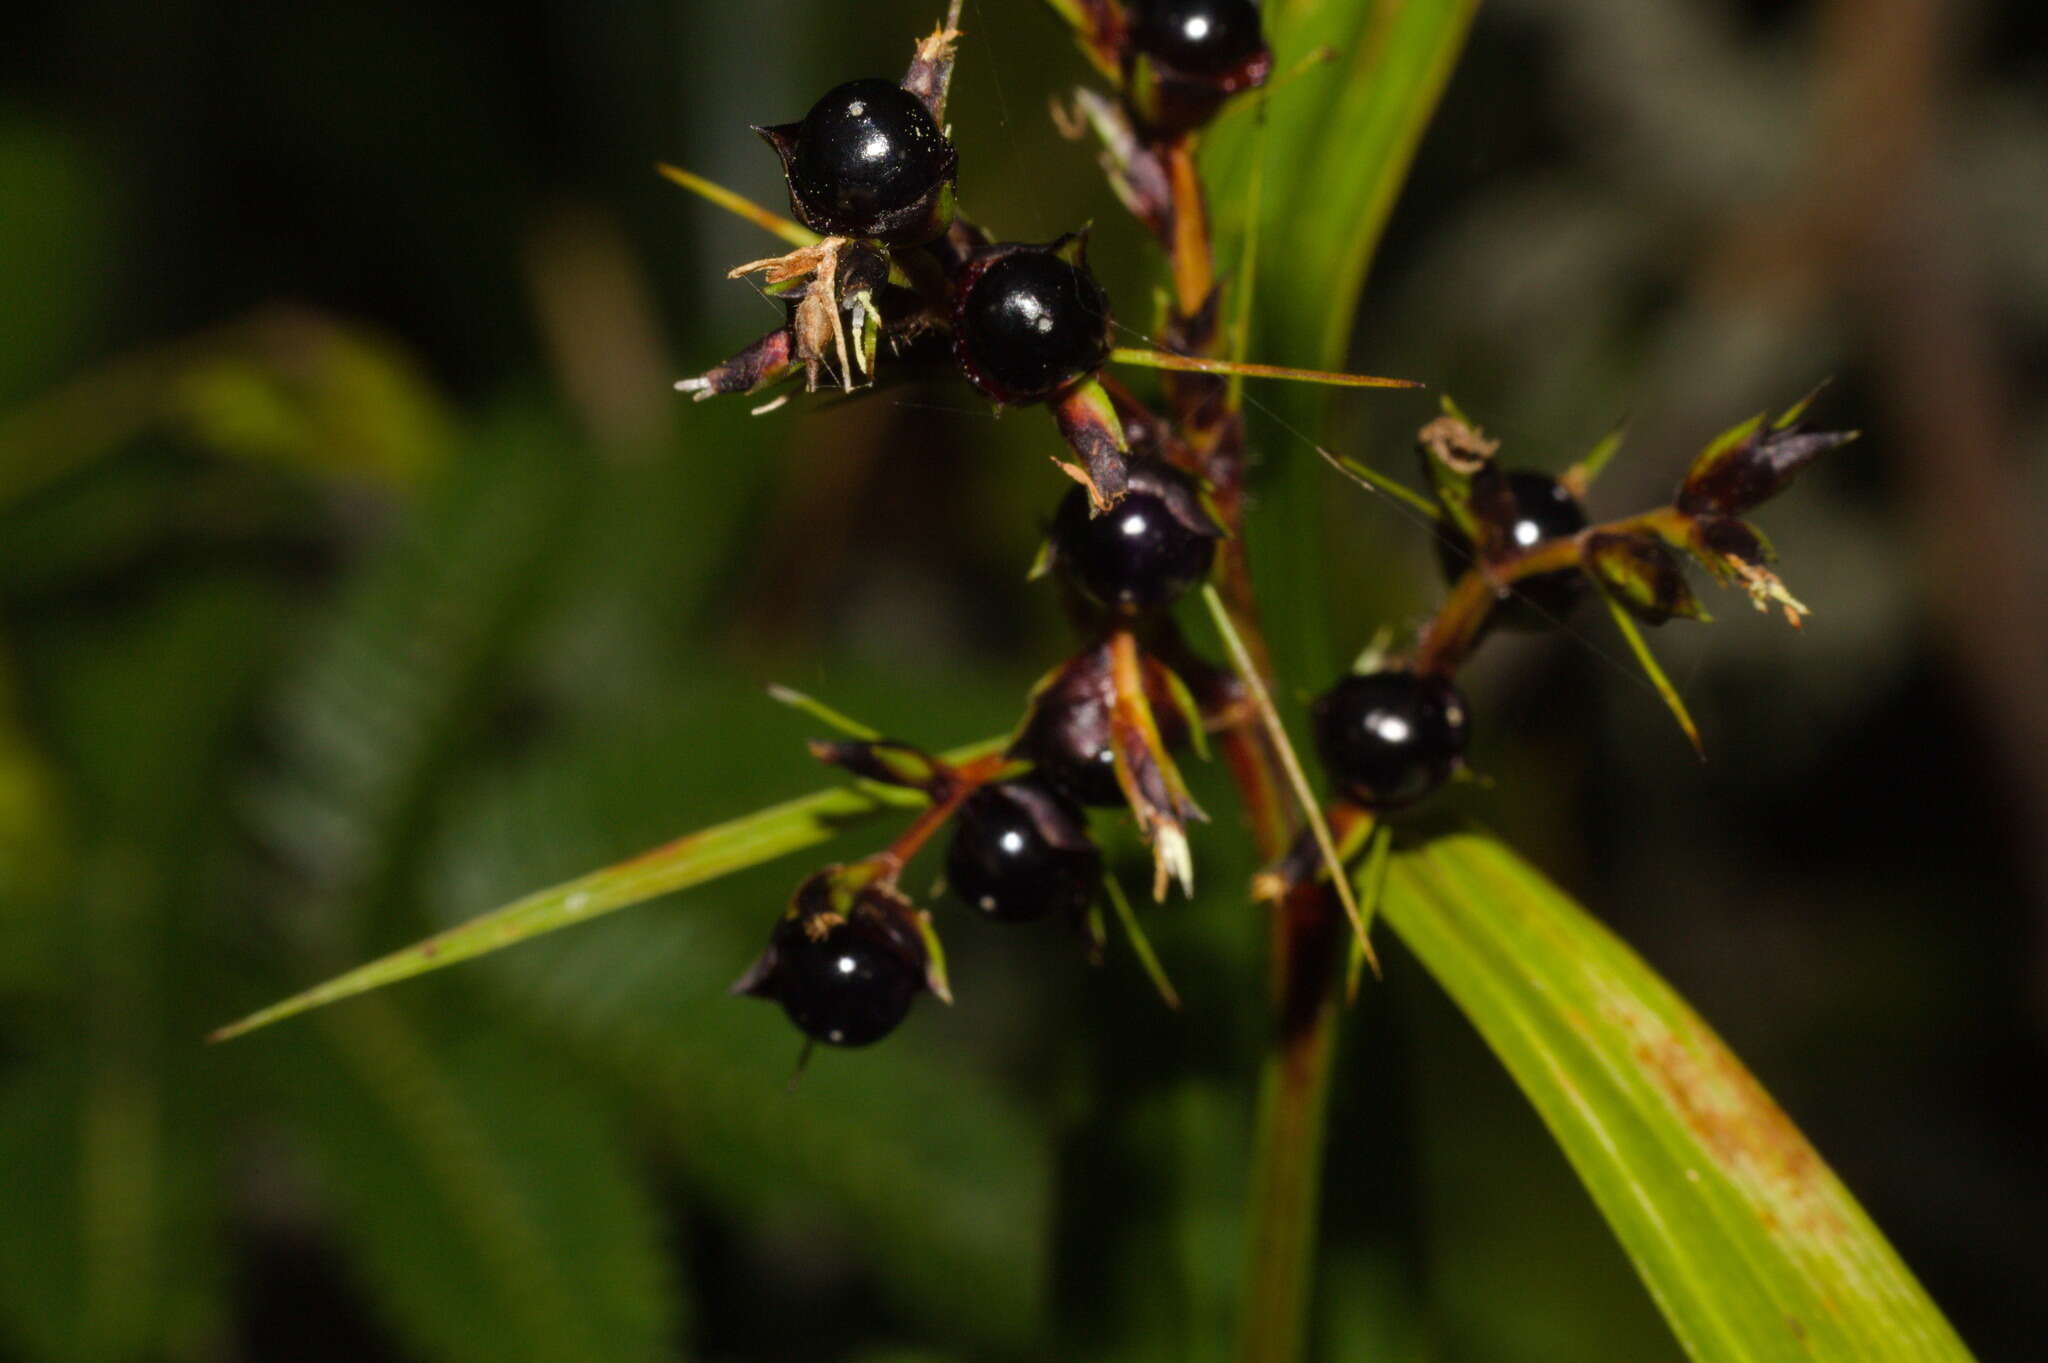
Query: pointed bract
(1641, 573)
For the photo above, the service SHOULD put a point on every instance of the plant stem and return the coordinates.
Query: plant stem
(1287, 1163)
(1307, 929)
(962, 781)
(1449, 637)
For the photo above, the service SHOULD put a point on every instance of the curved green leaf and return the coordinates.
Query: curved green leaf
(690, 860)
(1751, 1247)
(1338, 143)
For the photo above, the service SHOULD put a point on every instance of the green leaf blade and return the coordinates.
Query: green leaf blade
(1338, 148)
(690, 860)
(1747, 1241)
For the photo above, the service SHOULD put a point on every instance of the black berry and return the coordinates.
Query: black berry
(1027, 322)
(1067, 736)
(1144, 552)
(1533, 507)
(1020, 853)
(1198, 37)
(1389, 738)
(846, 979)
(1073, 761)
(868, 161)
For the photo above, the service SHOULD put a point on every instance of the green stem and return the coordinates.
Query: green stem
(1287, 1164)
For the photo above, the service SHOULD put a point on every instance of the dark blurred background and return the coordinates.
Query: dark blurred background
(359, 571)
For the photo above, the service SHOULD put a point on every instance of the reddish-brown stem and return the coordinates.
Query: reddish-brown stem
(961, 782)
(1448, 639)
(1214, 434)
(1307, 929)
(1194, 274)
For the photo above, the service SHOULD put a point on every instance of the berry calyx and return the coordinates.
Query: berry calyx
(1211, 38)
(845, 975)
(1021, 852)
(1146, 551)
(1028, 321)
(1389, 738)
(868, 160)
(1532, 507)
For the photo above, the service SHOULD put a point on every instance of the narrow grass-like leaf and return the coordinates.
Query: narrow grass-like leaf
(1127, 918)
(291, 389)
(1584, 473)
(1654, 670)
(824, 714)
(740, 206)
(689, 860)
(1385, 484)
(1297, 779)
(1371, 883)
(1191, 364)
(1751, 1247)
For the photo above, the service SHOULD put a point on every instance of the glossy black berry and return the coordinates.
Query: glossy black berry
(1389, 738)
(1083, 770)
(1143, 553)
(1197, 37)
(1535, 508)
(868, 161)
(1027, 322)
(846, 979)
(1067, 736)
(1021, 852)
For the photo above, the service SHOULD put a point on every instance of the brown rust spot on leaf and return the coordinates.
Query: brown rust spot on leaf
(1741, 1127)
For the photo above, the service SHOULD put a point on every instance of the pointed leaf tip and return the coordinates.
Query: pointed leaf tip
(1750, 1246)
(750, 840)
(1654, 670)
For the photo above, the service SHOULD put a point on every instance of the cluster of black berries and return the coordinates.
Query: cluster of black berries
(869, 161)
(1390, 737)
(871, 170)
(850, 954)
(846, 963)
